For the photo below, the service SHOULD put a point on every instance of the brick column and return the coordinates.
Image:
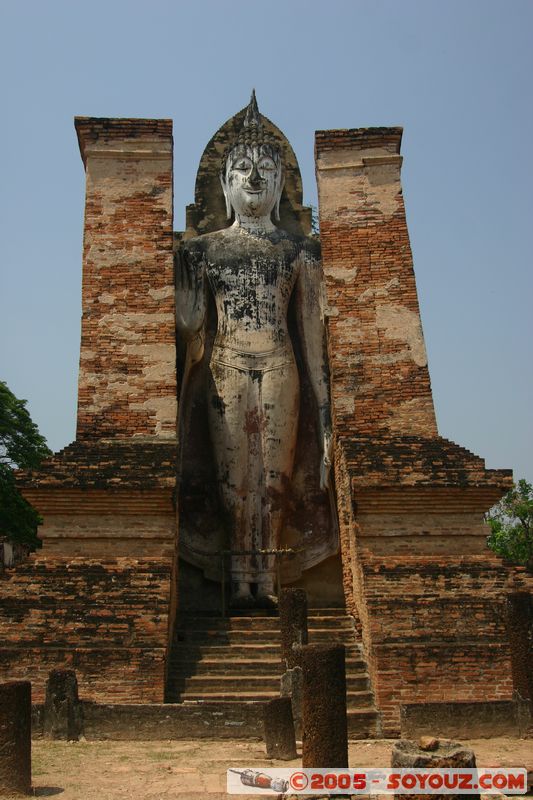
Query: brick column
(127, 381)
(380, 378)
(15, 738)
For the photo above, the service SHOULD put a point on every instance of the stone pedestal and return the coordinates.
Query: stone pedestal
(291, 686)
(279, 729)
(62, 708)
(325, 735)
(293, 625)
(15, 737)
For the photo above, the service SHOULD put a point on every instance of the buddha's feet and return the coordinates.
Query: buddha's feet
(243, 601)
(241, 595)
(266, 601)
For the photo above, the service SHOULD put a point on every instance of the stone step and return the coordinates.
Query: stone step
(261, 613)
(228, 655)
(363, 723)
(223, 665)
(260, 623)
(238, 652)
(354, 700)
(229, 637)
(250, 682)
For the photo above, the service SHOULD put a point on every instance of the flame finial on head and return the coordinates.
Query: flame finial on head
(252, 131)
(252, 117)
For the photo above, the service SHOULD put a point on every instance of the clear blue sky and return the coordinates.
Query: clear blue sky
(457, 76)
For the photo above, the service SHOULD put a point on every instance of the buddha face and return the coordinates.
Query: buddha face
(253, 180)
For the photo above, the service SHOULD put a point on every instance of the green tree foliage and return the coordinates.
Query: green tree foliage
(21, 445)
(511, 525)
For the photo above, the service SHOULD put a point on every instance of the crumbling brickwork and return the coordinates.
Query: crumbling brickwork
(127, 383)
(379, 373)
(98, 598)
(428, 595)
(105, 618)
(431, 615)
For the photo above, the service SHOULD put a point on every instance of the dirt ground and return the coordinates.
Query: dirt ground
(185, 770)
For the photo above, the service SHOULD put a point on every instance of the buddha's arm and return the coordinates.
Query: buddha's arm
(310, 320)
(191, 301)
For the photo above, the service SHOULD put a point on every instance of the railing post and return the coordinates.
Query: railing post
(223, 584)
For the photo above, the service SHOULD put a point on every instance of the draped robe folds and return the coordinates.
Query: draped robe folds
(249, 375)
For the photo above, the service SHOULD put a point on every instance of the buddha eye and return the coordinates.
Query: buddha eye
(242, 164)
(266, 164)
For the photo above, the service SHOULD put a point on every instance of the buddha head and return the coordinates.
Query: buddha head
(252, 173)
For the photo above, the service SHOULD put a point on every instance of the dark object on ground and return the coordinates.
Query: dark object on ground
(15, 737)
(279, 729)
(291, 686)
(62, 708)
(325, 736)
(446, 755)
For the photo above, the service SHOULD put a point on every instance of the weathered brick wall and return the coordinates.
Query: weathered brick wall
(423, 532)
(127, 382)
(437, 630)
(108, 535)
(105, 618)
(519, 619)
(429, 595)
(106, 499)
(380, 378)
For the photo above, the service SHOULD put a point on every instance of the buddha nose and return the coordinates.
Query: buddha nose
(255, 179)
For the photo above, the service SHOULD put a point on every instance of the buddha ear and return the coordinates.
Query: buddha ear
(281, 185)
(229, 210)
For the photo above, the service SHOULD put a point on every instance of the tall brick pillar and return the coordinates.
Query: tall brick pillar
(380, 377)
(99, 594)
(416, 569)
(127, 381)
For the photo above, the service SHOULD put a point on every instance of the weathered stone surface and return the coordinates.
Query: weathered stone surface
(293, 625)
(447, 755)
(252, 271)
(15, 737)
(278, 726)
(291, 685)
(62, 717)
(309, 526)
(465, 720)
(138, 722)
(428, 743)
(325, 737)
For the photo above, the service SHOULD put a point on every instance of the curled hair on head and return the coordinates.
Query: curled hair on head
(252, 134)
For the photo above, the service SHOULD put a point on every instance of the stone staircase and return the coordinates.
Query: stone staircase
(237, 658)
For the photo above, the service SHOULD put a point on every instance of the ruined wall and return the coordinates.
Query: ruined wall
(437, 630)
(98, 596)
(105, 618)
(127, 382)
(427, 593)
(380, 379)
(431, 617)
(103, 499)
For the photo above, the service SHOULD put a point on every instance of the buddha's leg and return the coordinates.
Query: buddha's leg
(228, 399)
(280, 403)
